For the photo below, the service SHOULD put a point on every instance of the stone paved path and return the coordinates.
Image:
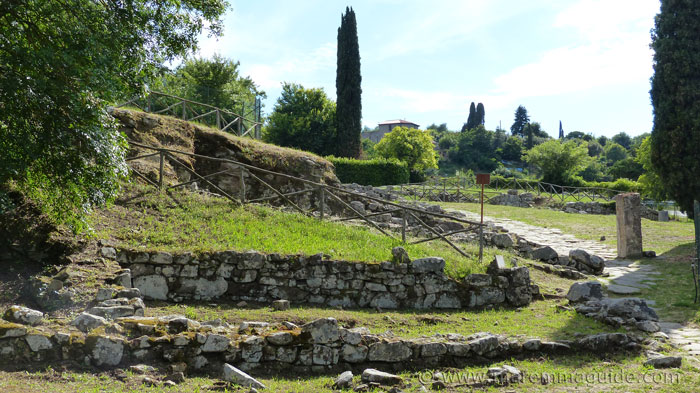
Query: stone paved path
(562, 243)
(625, 278)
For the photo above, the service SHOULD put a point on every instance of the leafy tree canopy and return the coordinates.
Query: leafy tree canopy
(61, 63)
(303, 119)
(348, 88)
(558, 161)
(521, 119)
(214, 81)
(623, 140)
(651, 182)
(410, 145)
(614, 152)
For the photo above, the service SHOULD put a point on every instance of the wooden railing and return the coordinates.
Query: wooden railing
(323, 191)
(244, 124)
(465, 190)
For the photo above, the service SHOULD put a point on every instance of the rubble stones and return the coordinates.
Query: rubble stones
(584, 291)
(232, 374)
(23, 315)
(371, 375)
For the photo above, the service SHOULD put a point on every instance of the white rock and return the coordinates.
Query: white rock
(152, 286)
(24, 315)
(86, 322)
(38, 342)
(107, 351)
(232, 374)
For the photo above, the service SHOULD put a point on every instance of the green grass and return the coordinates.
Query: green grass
(200, 223)
(662, 237)
(606, 373)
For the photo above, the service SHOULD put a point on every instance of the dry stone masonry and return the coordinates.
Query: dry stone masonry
(254, 276)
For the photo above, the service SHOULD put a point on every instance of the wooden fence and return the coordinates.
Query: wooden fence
(323, 192)
(244, 124)
(465, 190)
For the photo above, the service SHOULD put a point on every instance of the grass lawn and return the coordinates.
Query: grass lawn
(202, 223)
(662, 237)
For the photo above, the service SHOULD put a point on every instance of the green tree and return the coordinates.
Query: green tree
(61, 64)
(675, 97)
(368, 151)
(348, 87)
(602, 140)
(214, 81)
(614, 152)
(513, 149)
(623, 140)
(559, 162)
(475, 149)
(480, 114)
(594, 148)
(410, 145)
(472, 120)
(521, 119)
(303, 119)
(652, 184)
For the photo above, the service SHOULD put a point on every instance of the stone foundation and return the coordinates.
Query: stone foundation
(253, 276)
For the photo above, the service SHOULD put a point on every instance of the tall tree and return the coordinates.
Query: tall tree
(675, 97)
(561, 131)
(303, 119)
(521, 119)
(348, 87)
(472, 119)
(480, 114)
(61, 64)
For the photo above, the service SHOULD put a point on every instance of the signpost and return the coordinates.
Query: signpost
(483, 179)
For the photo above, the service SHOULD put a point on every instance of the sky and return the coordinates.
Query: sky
(586, 63)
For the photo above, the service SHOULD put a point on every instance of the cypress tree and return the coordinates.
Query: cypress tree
(561, 131)
(348, 88)
(480, 114)
(471, 120)
(675, 97)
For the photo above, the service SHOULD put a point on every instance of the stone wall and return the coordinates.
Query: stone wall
(253, 276)
(318, 346)
(606, 208)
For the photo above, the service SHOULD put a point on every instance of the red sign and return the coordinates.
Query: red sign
(483, 178)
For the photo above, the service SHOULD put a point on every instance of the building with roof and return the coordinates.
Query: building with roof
(385, 127)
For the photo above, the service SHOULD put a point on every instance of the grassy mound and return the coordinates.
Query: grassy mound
(187, 221)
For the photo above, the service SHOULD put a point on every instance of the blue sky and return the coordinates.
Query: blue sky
(584, 62)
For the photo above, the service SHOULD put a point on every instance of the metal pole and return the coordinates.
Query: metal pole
(160, 171)
(481, 227)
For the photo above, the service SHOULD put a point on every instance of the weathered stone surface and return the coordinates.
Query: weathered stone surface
(584, 291)
(505, 374)
(23, 315)
(280, 305)
(354, 353)
(107, 351)
(280, 338)
(343, 381)
(232, 374)
(629, 225)
(433, 349)
(38, 342)
(502, 240)
(389, 352)
(483, 343)
(648, 326)
(400, 255)
(660, 361)
(112, 312)
(152, 286)
(426, 265)
(630, 308)
(216, 343)
(371, 375)
(162, 258)
(86, 322)
(604, 342)
(323, 330)
(545, 253)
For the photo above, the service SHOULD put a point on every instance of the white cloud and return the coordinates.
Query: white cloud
(613, 50)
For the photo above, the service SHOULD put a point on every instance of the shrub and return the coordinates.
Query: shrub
(375, 172)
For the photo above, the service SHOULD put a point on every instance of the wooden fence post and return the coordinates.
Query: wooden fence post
(321, 202)
(184, 110)
(160, 170)
(218, 119)
(403, 226)
(242, 185)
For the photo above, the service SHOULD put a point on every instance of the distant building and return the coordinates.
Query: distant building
(386, 127)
